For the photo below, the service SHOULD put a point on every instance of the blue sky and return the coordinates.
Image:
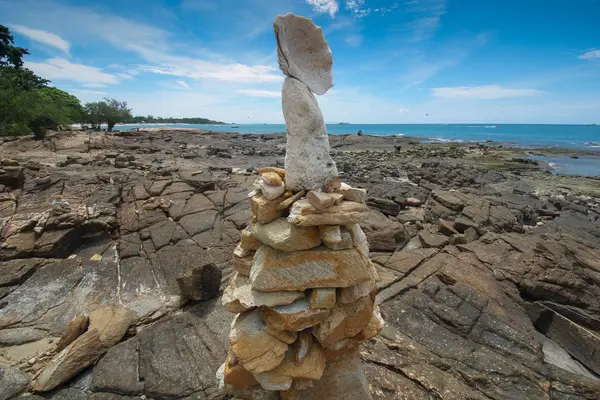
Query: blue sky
(525, 61)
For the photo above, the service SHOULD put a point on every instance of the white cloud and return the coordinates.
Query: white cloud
(183, 84)
(82, 91)
(357, 8)
(44, 37)
(427, 15)
(354, 40)
(591, 55)
(124, 75)
(94, 85)
(62, 69)
(260, 93)
(483, 92)
(325, 6)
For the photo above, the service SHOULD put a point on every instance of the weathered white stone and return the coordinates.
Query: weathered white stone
(303, 52)
(359, 238)
(239, 296)
(308, 164)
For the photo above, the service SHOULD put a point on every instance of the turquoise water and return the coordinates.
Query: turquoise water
(535, 136)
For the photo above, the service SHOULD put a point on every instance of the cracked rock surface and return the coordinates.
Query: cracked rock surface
(488, 277)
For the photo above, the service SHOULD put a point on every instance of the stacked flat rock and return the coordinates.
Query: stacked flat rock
(303, 291)
(303, 287)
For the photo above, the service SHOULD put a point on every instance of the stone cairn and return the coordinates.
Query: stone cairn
(303, 287)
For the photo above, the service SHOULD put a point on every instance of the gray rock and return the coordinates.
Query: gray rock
(202, 283)
(12, 382)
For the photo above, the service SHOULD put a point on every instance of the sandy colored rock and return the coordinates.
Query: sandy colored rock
(285, 204)
(320, 200)
(345, 321)
(265, 210)
(303, 52)
(281, 378)
(330, 234)
(347, 212)
(243, 265)
(252, 345)
(373, 328)
(278, 171)
(359, 239)
(239, 296)
(288, 337)
(352, 194)
(236, 375)
(294, 317)
(355, 292)
(344, 243)
(272, 178)
(75, 329)
(285, 236)
(112, 323)
(275, 270)
(84, 351)
(248, 241)
(322, 298)
(343, 379)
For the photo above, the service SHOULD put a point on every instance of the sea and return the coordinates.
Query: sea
(574, 137)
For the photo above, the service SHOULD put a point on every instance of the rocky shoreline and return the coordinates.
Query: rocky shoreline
(488, 266)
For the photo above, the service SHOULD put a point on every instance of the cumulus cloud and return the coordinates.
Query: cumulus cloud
(44, 37)
(325, 6)
(483, 92)
(61, 69)
(260, 93)
(591, 55)
(357, 8)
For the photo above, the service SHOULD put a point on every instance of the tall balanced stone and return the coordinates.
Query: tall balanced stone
(304, 289)
(305, 58)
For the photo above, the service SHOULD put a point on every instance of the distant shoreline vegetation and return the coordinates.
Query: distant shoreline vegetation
(159, 120)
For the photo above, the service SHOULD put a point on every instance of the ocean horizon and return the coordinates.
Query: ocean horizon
(581, 137)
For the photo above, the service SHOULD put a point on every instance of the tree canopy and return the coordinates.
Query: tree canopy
(110, 111)
(27, 103)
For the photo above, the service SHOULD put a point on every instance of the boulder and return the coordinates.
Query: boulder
(202, 283)
(429, 240)
(347, 212)
(311, 367)
(253, 346)
(323, 298)
(345, 321)
(275, 270)
(75, 328)
(352, 194)
(285, 236)
(74, 358)
(294, 317)
(239, 296)
(112, 323)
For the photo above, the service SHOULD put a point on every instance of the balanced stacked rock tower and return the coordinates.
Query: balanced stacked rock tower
(304, 287)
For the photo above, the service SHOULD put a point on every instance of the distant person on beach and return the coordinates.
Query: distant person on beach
(360, 132)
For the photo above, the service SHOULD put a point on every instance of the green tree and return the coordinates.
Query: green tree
(10, 55)
(27, 104)
(110, 111)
